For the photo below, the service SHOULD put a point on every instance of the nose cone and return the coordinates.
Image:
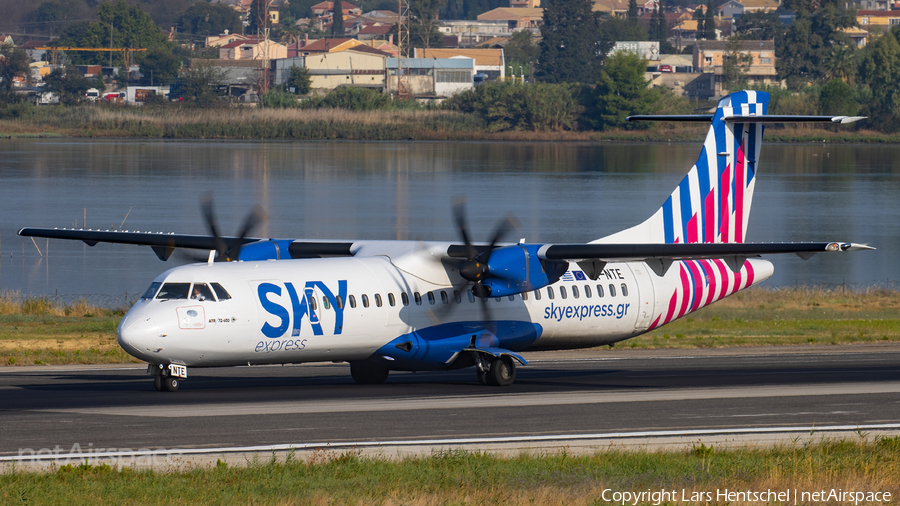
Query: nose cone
(138, 335)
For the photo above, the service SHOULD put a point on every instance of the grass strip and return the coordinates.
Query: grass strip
(37, 331)
(461, 477)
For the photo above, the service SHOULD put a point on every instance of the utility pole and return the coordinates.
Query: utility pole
(403, 50)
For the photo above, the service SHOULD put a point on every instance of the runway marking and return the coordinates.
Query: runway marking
(479, 401)
(440, 442)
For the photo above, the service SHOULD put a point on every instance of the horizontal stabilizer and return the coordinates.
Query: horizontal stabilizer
(690, 251)
(764, 118)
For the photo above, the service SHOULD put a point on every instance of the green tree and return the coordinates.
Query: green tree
(569, 49)
(205, 19)
(129, 26)
(759, 25)
(807, 44)
(621, 91)
(521, 47)
(841, 64)
(709, 23)
(13, 63)
(159, 67)
(425, 13)
(880, 70)
(54, 15)
(199, 84)
(299, 79)
(700, 17)
(736, 65)
(337, 19)
(68, 83)
(632, 14)
(838, 98)
(613, 29)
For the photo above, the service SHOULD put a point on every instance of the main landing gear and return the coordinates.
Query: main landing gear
(368, 374)
(167, 378)
(498, 372)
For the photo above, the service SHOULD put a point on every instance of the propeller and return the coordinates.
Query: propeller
(475, 269)
(226, 252)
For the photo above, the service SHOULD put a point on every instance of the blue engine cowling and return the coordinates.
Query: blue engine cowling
(517, 269)
(266, 250)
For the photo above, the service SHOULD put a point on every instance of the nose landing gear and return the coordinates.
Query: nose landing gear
(166, 379)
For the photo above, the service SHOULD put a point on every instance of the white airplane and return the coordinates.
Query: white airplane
(417, 306)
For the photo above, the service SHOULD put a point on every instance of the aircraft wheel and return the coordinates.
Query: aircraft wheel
(368, 374)
(158, 384)
(502, 372)
(172, 384)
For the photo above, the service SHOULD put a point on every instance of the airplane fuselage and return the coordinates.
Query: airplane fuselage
(351, 309)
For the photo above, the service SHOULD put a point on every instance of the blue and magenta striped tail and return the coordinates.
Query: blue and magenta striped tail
(712, 202)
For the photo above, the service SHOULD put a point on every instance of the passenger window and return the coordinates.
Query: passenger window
(352, 300)
(326, 303)
(154, 287)
(312, 303)
(404, 298)
(524, 295)
(378, 300)
(512, 297)
(221, 293)
(599, 290)
(365, 300)
(498, 299)
(624, 290)
(174, 291)
(430, 298)
(471, 296)
(562, 292)
(537, 294)
(444, 298)
(391, 300)
(612, 290)
(418, 298)
(339, 302)
(550, 292)
(457, 297)
(587, 291)
(575, 292)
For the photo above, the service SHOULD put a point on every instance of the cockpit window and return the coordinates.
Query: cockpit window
(174, 291)
(151, 291)
(221, 293)
(201, 292)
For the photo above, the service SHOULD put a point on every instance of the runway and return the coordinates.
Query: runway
(560, 394)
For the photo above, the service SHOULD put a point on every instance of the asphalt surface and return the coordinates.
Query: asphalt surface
(557, 393)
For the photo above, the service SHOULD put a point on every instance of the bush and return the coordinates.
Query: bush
(353, 98)
(277, 99)
(509, 106)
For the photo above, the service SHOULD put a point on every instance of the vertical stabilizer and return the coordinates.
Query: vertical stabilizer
(712, 202)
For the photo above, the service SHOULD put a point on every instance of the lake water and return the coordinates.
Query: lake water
(561, 192)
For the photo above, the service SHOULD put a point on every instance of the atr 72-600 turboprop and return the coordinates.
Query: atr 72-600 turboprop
(419, 306)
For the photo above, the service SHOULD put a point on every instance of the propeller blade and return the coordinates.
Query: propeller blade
(206, 205)
(508, 223)
(459, 214)
(256, 216)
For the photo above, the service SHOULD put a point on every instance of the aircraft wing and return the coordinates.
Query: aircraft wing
(164, 243)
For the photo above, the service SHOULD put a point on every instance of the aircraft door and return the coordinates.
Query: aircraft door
(646, 297)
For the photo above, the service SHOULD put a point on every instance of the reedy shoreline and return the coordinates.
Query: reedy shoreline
(173, 122)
